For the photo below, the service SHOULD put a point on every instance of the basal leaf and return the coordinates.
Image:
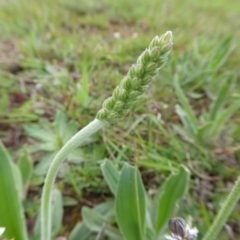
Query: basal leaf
(11, 210)
(173, 190)
(111, 175)
(131, 204)
(26, 167)
(80, 231)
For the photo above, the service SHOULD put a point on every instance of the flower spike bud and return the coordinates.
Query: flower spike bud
(167, 37)
(180, 230)
(133, 86)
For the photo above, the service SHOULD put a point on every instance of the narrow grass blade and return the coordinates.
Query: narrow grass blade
(186, 106)
(221, 54)
(186, 121)
(173, 190)
(111, 175)
(157, 165)
(131, 204)
(221, 99)
(223, 118)
(11, 210)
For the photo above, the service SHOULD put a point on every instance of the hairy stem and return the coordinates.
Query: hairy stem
(225, 212)
(74, 142)
(114, 108)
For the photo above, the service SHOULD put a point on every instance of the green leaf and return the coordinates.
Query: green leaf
(43, 134)
(150, 230)
(203, 133)
(218, 124)
(69, 201)
(106, 209)
(221, 54)
(61, 123)
(36, 180)
(11, 210)
(111, 175)
(43, 165)
(93, 219)
(57, 211)
(26, 167)
(131, 203)
(186, 120)
(173, 190)
(190, 115)
(80, 231)
(18, 181)
(99, 223)
(4, 103)
(219, 102)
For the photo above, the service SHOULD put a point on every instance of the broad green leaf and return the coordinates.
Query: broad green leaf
(18, 181)
(43, 134)
(106, 209)
(219, 102)
(26, 167)
(36, 180)
(150, 230)
(186, 106)
(43, 165)
(48, 146)
(98, 222)
(131, 203)
(173, 190)
(93, 220)
(69, 201)
(80, 231)
(11, 210)
(111, 175)
(61, 123)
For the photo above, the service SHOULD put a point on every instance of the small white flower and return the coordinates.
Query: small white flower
(117, 35)
(193, 232)
(2, 229)
(173, 237)
(180, 230)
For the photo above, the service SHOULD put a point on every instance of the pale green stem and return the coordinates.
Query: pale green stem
(225, 212)
(74, 142)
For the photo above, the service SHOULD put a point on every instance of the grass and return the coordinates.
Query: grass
(67, 56)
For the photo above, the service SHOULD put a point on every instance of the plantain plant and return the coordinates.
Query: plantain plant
(137, 216)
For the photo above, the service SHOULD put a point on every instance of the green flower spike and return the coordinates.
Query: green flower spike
(124, 96)
(133, 86)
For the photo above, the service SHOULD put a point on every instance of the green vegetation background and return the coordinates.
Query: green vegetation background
(60, 59)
